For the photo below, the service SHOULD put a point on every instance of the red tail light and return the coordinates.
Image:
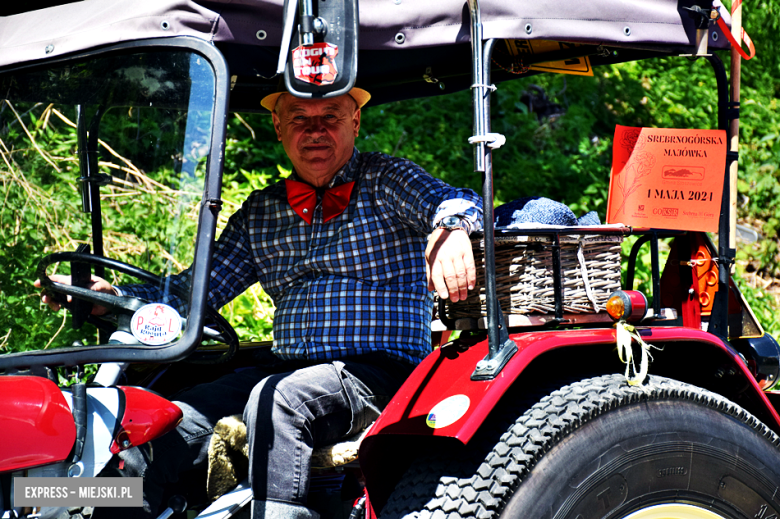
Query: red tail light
(146, 416)
(627, 305)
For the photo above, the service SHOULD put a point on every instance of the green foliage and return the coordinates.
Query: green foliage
(27, 227)
(251, 313)
(42, 212)
(762, 304)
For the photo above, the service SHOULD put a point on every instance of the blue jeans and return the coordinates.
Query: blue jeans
(289, 408)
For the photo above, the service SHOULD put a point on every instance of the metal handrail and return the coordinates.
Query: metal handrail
(501, 348)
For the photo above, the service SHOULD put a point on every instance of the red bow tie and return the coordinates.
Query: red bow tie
(303, 199)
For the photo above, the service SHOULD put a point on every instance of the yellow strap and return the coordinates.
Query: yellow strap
(626, 334)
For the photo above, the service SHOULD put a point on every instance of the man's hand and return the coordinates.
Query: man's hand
(95, 283)
(450, 264)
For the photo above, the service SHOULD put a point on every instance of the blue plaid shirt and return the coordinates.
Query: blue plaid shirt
(353, 285)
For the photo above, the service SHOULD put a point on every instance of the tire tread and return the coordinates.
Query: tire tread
(481, 493)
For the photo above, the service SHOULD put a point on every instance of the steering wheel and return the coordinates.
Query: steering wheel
(123, 305)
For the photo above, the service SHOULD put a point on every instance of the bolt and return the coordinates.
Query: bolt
(126, 444)
(320, 26)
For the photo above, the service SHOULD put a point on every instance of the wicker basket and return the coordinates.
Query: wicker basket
(590, 267)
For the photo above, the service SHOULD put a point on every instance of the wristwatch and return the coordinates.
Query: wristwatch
(451, 223)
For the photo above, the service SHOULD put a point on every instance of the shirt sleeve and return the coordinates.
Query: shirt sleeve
(232, 269)
(422, 201)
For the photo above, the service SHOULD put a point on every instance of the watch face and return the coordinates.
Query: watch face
(451, 222)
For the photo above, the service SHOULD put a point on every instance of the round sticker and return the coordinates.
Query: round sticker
(448, 411)
(155, 324)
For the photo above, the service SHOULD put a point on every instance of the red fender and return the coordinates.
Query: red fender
(36, 423)
(446, 374)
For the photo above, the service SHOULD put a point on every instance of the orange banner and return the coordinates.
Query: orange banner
(667, 178)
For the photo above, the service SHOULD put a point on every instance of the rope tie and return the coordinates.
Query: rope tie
(626, 334)
(492, 88)
(494, 140)
(585, 279)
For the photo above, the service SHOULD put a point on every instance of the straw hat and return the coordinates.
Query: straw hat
(360, 96)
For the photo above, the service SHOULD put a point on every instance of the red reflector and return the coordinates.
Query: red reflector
(147, 416)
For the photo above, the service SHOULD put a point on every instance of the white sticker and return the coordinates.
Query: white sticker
(156, 324)
(448, 411)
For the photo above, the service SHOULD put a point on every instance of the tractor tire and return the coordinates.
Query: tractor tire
(599, 448)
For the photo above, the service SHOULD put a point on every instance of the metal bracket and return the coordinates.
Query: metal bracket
(730, 110)
(726, 262)
(488, 368)
(99, 179)
(429, 78)
(444, 318)
(214, 203)
(702, 17)
(494, 361)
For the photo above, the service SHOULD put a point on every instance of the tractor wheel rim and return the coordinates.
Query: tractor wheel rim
(674, 511)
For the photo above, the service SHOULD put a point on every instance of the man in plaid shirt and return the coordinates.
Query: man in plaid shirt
(349, 249)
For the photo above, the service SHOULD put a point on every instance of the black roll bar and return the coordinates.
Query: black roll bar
(501, 347)
(719, 319)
